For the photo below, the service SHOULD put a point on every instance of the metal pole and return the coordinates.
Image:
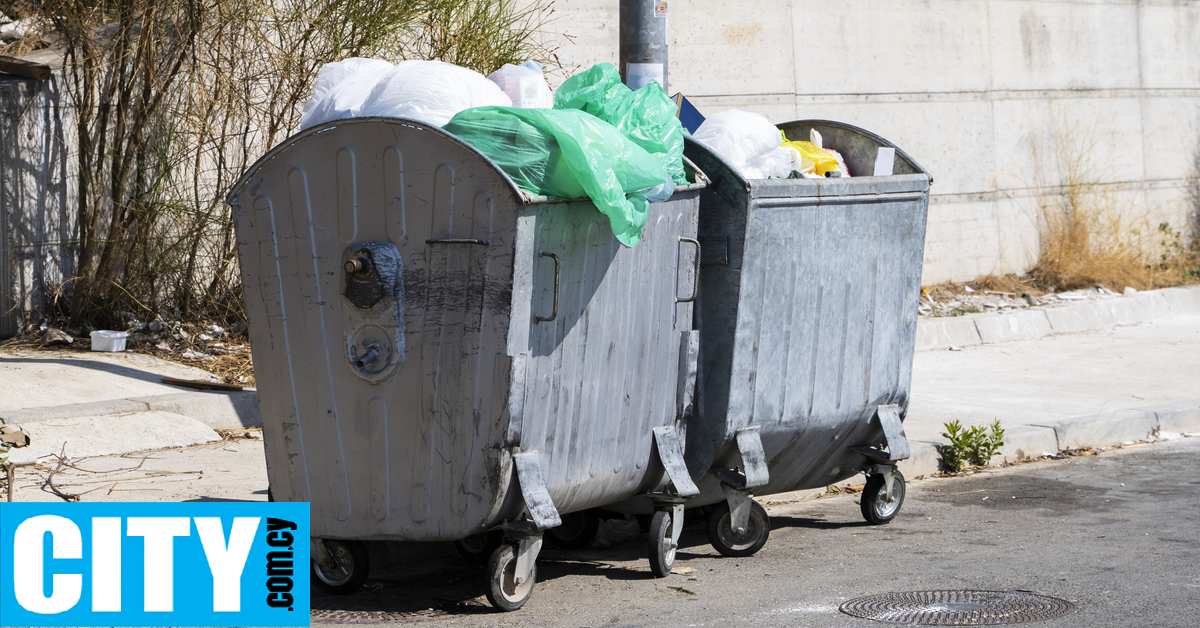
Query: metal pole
(643, 54)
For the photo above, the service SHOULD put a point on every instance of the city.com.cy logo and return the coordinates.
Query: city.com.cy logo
(143, 564)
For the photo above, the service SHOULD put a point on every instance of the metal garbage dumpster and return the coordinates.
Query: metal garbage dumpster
(807, 314)
(440, 354)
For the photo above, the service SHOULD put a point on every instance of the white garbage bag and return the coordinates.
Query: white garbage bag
(525, 84)
(341, 89)
(431, 92)
(748, 142)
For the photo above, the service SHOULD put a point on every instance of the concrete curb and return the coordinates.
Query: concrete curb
(1099, 430)
(962, 331)
(217, 410)
(87, 437)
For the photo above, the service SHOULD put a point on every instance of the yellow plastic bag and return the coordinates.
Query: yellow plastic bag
(813, 159)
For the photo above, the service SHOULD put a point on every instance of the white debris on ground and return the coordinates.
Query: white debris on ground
(943, 300)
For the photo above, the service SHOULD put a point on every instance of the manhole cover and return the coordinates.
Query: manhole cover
(958, 608)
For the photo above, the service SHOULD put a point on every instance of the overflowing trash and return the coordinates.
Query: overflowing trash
(757, 149)
(525, 85)
(748, 142)
(427, 91)
(567, 153)
(646, 116)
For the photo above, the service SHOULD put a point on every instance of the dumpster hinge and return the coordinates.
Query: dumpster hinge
(670, 451)
(893, 436)
(533, 489)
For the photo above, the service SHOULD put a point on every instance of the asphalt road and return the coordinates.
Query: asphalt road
(1115, 534)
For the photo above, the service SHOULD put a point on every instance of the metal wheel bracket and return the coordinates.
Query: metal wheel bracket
(318, 552)
(739, 508)
(676, 524)
(528, 539)
(889, 478)
(527, 552)
(673, 505)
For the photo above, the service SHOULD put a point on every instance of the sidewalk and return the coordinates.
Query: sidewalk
(1050, 391)
(111, 403)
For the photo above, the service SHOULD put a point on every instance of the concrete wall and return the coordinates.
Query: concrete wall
(977, 91)
(37, 233)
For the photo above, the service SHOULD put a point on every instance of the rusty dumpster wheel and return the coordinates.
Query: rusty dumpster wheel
(577, 531)
(730, 543)
(503, 591)
(348, 570)
(661, 547)
(478, 548)
(877, 509)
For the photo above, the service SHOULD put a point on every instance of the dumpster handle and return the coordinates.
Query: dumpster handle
(460, 241)
(695, 272)
(554, 312)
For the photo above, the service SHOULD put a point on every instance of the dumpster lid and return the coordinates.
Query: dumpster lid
(284, 146)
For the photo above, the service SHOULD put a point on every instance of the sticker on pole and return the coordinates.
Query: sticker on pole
(660, 8)
(639, 75)
(154, 564)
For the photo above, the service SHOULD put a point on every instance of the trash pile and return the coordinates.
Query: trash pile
(951, 299)
(758, 150)
(597, 138)
(214, 347)
(594, 137)
(13, 30)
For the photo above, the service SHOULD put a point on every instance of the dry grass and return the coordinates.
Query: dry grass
(1091, 237)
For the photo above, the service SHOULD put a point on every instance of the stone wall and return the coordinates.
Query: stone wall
(977, 91)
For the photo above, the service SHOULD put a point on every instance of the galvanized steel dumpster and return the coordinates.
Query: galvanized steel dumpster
(807, 314)
(439, 353)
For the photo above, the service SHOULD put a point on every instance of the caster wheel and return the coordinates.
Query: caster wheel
(727, 541)
(477, 548)
(661, 548)
(348, 571)
(577, 531)
(503, 591)
(877, 509)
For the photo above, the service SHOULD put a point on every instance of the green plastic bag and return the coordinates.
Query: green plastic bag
(567, 153)
(646, 116)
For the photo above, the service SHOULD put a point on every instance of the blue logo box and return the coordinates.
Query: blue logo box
(154, 564)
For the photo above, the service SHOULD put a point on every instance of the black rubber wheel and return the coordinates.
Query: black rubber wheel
(876, 508)
(728, 542)
(577, 531)
(349, 570)
(478, 548)
(661, 548)
(503, 591)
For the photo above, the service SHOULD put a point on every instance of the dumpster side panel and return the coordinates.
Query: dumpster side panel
(415, 451)
(723, 242)
(604, 372)
(826, 329)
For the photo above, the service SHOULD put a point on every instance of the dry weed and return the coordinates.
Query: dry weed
(1091, 238)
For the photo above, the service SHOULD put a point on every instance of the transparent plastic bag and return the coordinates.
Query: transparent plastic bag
(646, 116)
(567, 153)
(341, 88)
(748, 142)
(431, 92)
(525, 85)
